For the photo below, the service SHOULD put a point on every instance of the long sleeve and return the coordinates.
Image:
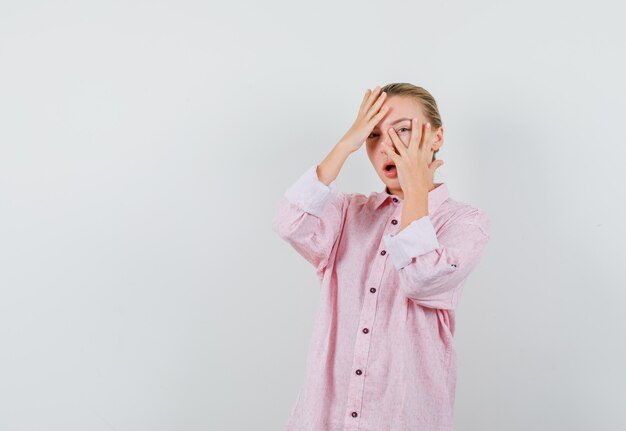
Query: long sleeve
(433, 267)
(309, 216)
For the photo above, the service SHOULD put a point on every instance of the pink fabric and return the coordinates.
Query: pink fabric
(381, 356)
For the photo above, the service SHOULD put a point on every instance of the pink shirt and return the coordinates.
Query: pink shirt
(381, 356)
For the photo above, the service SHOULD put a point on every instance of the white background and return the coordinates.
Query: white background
(144, 146)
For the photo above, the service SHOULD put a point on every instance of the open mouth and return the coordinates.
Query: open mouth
(390, 170)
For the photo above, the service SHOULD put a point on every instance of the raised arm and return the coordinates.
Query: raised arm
(432, 267)
(310, 216)
(311, 213)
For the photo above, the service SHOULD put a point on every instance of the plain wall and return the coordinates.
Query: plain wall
(144, 147)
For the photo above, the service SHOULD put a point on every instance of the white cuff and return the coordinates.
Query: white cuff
(414, 240)
(309, 193)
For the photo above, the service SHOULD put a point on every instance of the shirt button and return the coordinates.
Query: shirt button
(359, 372)
(372, 289)
(365, 330)
(394, 221)
(383, 252)
(354, 414)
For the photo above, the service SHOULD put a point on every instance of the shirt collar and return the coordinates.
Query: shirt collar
(435, 197)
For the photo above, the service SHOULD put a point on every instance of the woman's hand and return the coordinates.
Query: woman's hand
(413, 163)
(369, 115)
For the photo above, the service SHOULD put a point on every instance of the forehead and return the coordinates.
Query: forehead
(401, 107)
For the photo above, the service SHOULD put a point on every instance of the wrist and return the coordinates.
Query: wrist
(345, 148)
(416, 193)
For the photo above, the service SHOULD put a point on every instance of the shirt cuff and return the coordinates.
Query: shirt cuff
(309, 193)
(414, 240)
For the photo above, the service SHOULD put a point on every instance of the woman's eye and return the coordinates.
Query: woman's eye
(404, 128)
(371, 135)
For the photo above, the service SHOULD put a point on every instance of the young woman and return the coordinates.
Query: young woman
(391, 266)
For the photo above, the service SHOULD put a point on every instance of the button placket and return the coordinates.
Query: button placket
(363, 339)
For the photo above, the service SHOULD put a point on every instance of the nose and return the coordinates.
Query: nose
(384, 141)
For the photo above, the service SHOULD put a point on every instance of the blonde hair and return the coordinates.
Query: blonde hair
(420, 95)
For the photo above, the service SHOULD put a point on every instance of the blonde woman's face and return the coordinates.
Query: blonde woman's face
(401, 110)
